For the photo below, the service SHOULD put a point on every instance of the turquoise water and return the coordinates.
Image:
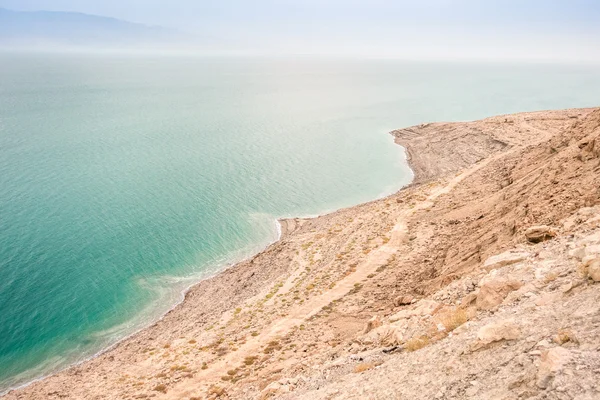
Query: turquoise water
(124, 180)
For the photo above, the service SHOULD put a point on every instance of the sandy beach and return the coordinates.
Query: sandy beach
(304, 302)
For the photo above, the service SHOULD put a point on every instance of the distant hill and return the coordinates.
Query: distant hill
(51, 28)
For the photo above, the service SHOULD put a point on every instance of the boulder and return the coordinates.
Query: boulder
(506, 258)
(496, 332)
(540, 233)
(552, 362)
(493, 292)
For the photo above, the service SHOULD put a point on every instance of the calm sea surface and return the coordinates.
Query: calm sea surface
(124, 180)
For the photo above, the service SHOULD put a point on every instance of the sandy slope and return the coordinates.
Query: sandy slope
(293, 318)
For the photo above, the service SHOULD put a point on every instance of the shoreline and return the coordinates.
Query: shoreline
(215, 300)
(182, 297)
(283, 228)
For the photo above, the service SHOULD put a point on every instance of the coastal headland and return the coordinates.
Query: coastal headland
(478, 280)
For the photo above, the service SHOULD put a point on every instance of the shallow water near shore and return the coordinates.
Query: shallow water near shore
(124, 180)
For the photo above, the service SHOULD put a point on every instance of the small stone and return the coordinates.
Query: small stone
(564, 336)
(566, 287)
(594, 270)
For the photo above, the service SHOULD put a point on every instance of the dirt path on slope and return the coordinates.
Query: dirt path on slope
(300, 314)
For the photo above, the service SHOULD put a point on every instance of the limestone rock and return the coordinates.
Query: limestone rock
(583, 215)
(548, 298)
(506, 258)
(552, 362)
(374, 322)
(422, 307)
(469, 299)
(578, 252)
(495, 332)
(427, 307)
(594, 270)
(540, 233)
(591, 253)
(493, 292)
(400, 315)
(385, 335)
(592, 239)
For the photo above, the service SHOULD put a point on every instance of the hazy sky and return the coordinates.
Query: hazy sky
(531, 29)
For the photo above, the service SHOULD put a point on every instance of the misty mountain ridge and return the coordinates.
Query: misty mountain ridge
(71, 29)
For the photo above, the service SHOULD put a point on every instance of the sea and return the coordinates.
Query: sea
(126, 179)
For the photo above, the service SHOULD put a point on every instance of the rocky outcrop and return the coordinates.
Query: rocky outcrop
(496, 332)
(539, 339)
(385, 335)
(494, 289)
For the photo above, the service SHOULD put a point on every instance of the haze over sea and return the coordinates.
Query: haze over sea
(126, 179)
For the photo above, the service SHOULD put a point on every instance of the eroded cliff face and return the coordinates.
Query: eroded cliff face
(477, 281)
(529, 184)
